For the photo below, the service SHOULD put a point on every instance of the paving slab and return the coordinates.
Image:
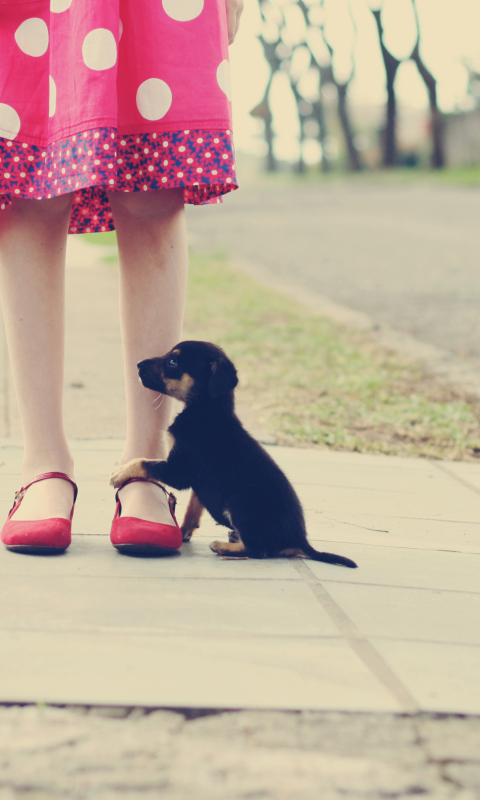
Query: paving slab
(400, 633)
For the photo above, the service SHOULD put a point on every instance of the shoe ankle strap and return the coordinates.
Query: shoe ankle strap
(172, 500)
(43, 477)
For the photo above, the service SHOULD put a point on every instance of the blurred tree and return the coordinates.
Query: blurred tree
(306, 64)
(390, 150)
(437, 157)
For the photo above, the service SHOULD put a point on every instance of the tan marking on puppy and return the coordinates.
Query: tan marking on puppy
(227, 548)
(290, 552)
(176, 352)
(179, 389)
(132, 469)
(191, 520)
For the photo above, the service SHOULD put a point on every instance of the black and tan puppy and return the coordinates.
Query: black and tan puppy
(231, 475)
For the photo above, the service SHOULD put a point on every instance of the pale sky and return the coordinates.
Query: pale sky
(450, 34)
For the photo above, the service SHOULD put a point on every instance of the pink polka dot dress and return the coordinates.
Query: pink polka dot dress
(100, 96)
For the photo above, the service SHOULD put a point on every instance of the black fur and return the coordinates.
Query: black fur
(231, 474)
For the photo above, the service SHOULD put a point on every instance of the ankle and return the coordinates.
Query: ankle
(51, 463)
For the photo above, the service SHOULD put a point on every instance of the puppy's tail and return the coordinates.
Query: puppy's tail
(329, 558)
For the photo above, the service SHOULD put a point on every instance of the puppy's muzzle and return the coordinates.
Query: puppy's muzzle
(150, 374)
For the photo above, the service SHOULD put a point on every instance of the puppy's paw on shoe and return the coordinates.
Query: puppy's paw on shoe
(132, 469)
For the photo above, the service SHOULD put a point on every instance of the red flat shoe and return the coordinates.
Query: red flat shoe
(39, 536)
(139, 536)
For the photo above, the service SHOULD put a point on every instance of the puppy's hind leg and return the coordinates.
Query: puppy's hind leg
(191, 520)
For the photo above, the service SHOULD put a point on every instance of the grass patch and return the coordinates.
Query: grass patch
(313, 383)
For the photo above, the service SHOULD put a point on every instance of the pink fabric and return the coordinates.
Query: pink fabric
(68, 66)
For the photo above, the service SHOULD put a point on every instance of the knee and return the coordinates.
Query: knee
(49, 208)
(147, 205)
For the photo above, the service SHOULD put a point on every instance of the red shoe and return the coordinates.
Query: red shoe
(139, 536)
(41, 535)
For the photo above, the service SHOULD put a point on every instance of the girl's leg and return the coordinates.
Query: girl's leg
(152, 245)
(33, 235)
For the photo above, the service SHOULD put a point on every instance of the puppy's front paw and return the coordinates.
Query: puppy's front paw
(186, 534)
(217, 547)
(132, 469)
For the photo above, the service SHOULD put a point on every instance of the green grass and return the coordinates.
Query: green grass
(313, 383)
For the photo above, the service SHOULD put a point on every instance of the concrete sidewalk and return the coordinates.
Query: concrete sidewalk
(401, 633)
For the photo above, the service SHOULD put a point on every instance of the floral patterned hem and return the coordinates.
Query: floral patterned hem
(99, 161)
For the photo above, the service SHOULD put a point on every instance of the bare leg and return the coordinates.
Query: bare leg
(33, 235)
(153, 253)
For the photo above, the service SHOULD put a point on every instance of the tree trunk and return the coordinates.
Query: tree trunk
(390, 153)
(354, 163)
(437, 157)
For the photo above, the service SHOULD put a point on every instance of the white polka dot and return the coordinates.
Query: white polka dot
(183, 10)
(24, 144)
(182, 149)
(223, 78)
(165, 163)
(17, 191)
(186, 131)
(32, 37)
(200, 140)
(6, 174)
(156, 155)
(229, 180)
(111, 180)
(63, 170)
(189, 160)
(106, 147)
(123, 141)
(164, 180)
(57, 6)
(165, 144)
(9, 122)
(145, 188)
(199, 169)
(119, 160)
(225, 155)
(31, 189)
(179, 174)
(214, 171)
(110, 166)
(154, 98)
(16, 158)
(146, 150)
(99, 49)
(3, 205)
(128, 177)
(216, 141)
(30, 158)
(22, 174)
(96, 161)
(52, 97)
(150, 169)
(9, 144)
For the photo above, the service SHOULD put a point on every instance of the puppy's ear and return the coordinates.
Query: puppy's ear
(224, 377)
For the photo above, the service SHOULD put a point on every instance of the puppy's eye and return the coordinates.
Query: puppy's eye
(172, 362)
